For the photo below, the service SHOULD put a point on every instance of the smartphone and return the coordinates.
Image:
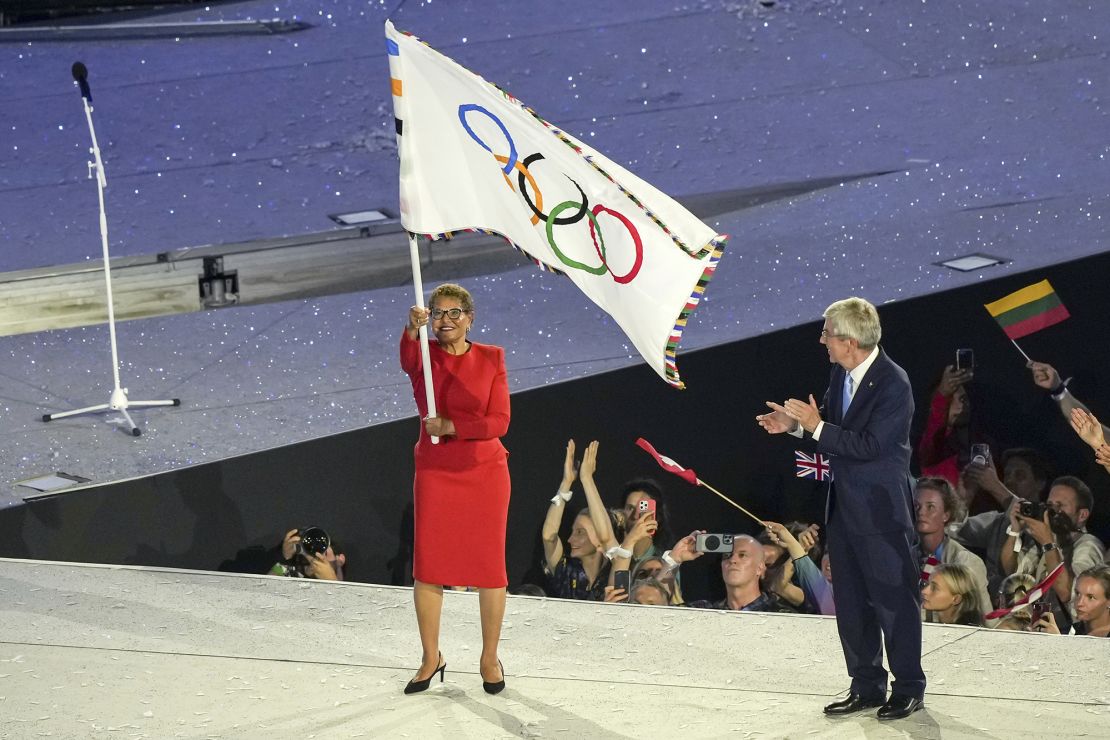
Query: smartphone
(1037, 610)
(622, 579)
(646, 506)
(713, 543)
(981, 454)
(965, 359)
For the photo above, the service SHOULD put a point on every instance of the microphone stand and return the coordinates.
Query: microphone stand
(118, 400)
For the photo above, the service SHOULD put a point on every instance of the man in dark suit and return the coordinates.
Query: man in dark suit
(864, 426)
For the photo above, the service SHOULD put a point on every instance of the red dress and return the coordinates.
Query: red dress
(461, 489)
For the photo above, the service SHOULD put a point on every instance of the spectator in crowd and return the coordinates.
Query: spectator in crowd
(632, 493)
(741, 572)
(950, 596)
(581, 570)
(1092, 605)
(943, 449)
(799, 582)
(1026, 472)
(826, 568)
(658, 569)
(1013, 587)
(936, 504)
(664, 568)
(945, 446)
(650, 591)
(309, 553)
(1058, 536)
(778, 578)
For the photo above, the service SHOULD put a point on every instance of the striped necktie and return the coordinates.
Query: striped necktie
(847, 393)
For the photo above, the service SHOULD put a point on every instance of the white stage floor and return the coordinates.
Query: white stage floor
(107, 651)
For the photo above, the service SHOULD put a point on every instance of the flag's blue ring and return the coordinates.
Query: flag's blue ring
(466, 108)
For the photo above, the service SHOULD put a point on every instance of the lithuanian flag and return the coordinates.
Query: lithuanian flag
(1028, 310)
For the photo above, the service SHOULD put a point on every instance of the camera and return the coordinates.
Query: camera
(713, 543)
(1033, 509)
(314, 541)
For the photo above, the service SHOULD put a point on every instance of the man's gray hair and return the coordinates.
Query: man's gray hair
(855, 318)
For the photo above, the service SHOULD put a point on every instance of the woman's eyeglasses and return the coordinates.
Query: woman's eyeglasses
(451, 313)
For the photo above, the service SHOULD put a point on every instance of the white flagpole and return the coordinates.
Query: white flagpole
(418, 285)
(1019, 349)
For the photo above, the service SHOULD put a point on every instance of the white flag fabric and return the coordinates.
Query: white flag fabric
(475, 158)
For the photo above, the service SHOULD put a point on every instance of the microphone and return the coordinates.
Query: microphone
(81, 77)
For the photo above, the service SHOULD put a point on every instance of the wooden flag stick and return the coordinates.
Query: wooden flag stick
(726, 498)
(1019, 349)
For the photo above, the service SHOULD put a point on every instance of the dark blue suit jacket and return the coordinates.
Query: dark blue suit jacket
(870, 449)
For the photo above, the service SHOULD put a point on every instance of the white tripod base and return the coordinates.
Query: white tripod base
(118, 402)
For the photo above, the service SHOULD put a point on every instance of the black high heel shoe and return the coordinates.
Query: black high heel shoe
(415, 687)
(495, 687)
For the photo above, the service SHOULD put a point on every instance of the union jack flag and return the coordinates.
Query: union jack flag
(814, 466)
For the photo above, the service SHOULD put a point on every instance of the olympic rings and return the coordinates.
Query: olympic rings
(552, 219)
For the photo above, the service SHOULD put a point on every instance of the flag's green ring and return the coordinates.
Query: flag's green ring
(599, 270)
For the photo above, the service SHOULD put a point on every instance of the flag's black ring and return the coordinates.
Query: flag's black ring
(565, 221)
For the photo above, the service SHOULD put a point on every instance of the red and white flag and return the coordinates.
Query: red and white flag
(668, 464)
(1034, 595)
(474, 158)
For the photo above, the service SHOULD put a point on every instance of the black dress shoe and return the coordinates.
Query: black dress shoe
(899, 706)
(415, 687)
(854, 703)
(495, 687)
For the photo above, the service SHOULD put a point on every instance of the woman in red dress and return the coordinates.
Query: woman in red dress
(461, 489)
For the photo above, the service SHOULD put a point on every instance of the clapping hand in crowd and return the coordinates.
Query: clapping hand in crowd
(1102, 456)
(570, 469)
(1087, 427)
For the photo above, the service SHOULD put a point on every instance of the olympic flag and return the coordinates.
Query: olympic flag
(474, 158)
